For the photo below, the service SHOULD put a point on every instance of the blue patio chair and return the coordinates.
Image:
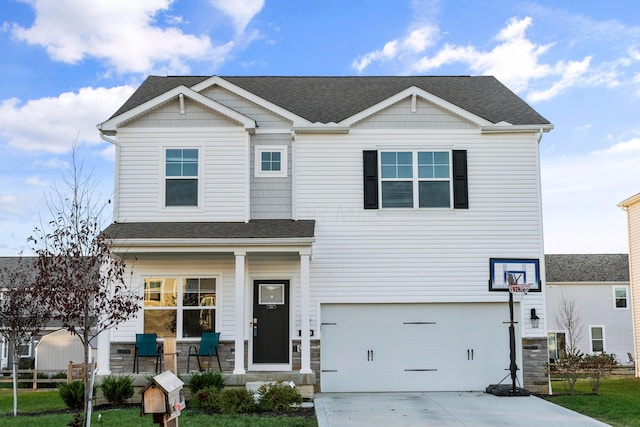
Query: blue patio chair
(208, 348)
(146, 346)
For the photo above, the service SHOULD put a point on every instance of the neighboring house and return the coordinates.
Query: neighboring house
(53, 348)
(632, 207)
(337, 231)
(597, 285)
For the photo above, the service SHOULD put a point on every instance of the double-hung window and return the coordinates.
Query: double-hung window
(621, 298)
(181, 177)
(597, 338)
(415, 179)
(181, 307)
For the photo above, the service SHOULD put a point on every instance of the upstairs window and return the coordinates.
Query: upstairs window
(181, 177)
(271, 161)
(621, 298)
(415, 179)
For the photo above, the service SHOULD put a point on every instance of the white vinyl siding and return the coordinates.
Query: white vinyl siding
(409, 255)
(224, 163)
(426, 116)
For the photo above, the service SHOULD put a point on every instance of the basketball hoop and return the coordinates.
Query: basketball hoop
(519, 290)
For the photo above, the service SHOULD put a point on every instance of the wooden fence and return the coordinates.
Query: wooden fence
(75, 371)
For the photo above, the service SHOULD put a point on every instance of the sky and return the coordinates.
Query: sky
(67, 65)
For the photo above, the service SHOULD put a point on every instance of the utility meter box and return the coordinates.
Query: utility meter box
(163, 397)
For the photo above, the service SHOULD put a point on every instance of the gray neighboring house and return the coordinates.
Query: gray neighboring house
(599, 286)
(53, 348)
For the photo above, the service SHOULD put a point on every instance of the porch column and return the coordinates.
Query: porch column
(305, 321)
(103, 358)
(238, 368)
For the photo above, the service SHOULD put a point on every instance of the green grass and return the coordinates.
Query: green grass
(617, 404)
(43, 401)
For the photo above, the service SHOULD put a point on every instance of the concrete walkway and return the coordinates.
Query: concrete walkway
(442, 409)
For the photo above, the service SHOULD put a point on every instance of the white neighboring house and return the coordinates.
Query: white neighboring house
(632, 207)
(598, 286)
(339, 230)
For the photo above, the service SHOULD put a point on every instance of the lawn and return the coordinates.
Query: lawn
(617, 404)
(41, 402)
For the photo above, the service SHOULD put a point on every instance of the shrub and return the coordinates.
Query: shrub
(201, 380)
(597, 367)
(236, 401)
(278, 396)
(206, 398)
(72, 394)
(117, 390)
(569, 369)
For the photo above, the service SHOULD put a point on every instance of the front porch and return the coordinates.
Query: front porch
(307, 383)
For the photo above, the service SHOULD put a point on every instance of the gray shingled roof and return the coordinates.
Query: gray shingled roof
(258, 229)
(333, 99)
(587, 268)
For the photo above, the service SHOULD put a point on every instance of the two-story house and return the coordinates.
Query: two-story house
(342, 230)
(590, 291)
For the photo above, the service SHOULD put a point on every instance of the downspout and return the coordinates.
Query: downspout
(116, 171)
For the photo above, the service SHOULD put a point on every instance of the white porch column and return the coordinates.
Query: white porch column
(103, 358)
(305, 321)
(239, 313)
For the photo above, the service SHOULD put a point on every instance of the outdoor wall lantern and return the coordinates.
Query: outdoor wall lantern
(535, 320)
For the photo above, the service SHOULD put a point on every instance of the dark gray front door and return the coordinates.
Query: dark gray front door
(271, 321)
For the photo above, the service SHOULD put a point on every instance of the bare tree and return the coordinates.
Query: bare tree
(568, 318)
(77, 273)
(22, 315)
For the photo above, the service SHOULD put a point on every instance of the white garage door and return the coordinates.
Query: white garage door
(414, 347)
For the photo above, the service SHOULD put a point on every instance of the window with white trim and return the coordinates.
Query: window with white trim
(181, 177)
(271, 161)
(621, 298)
(180, 307)
(557, 344)
(415, 179)
(596, 337)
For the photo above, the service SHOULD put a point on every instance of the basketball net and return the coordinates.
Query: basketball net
(519, 290)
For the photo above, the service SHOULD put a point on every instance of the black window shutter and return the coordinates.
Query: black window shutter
(370, 171)
(460, 184)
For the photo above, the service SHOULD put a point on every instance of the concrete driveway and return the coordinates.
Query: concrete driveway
(442, 409)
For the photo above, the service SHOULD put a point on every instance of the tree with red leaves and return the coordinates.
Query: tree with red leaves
(77, 274)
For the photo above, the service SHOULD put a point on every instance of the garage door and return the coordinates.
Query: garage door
(413, 347)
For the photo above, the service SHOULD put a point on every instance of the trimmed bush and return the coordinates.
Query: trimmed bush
(206, 399)
(117, 390)
(278, 397)
(203, 380)
(72, 394)
(236, 401)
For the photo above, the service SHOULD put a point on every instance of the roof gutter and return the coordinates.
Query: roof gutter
(507, 128)
(104, 137)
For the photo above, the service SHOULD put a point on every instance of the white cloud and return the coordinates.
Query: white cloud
(38, 181)
(580, 194)
(122, 33)
(52, 124)
(416, 41)
(241, 12)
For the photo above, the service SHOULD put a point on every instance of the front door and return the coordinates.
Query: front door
(271, 321)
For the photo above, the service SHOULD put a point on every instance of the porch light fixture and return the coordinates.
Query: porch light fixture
(535, 320)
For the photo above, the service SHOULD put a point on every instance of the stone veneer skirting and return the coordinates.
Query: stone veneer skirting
(535, 356)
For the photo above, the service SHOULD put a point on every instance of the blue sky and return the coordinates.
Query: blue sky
(69, 64)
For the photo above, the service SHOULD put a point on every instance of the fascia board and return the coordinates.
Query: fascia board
(112, 124)
(630, 201)
(503, 127)
(413, 90)
(213, 245)
(243, 93)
